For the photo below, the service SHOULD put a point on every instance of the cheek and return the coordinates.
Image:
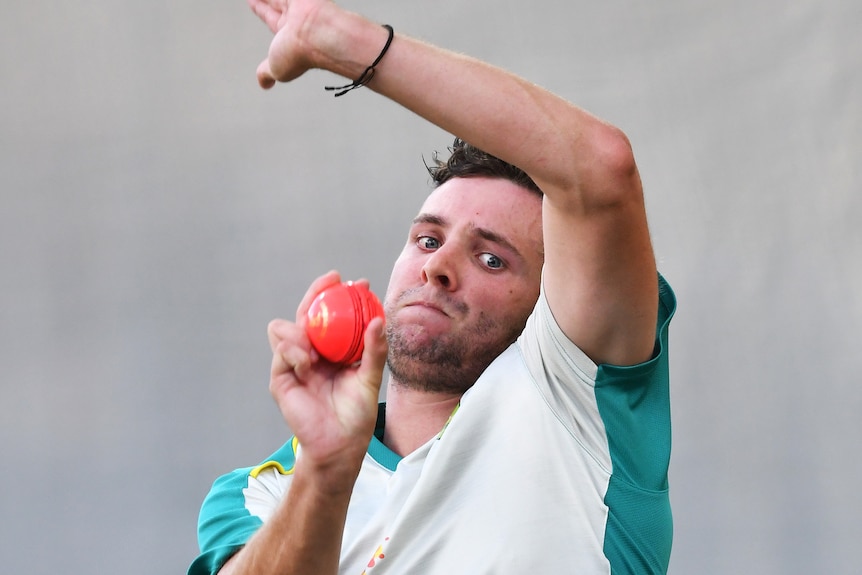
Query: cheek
(512, 306)
(400, 277)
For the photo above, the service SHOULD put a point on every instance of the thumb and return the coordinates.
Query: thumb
(370, 370)
(264, 75)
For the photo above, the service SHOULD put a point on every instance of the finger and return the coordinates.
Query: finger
(370, 369)
(282, 376)
(278, 330)
(361, 282)
(290, 358)
(280, 366)
(317, 286)
(266, 12)
(283, 334)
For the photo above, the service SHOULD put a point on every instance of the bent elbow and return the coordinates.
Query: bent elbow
(601, 172)
(615, 152)
(611, 176)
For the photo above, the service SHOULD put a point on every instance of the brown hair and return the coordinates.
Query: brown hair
(466, 161)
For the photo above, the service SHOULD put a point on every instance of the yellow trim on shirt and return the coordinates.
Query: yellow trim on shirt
(278, 466)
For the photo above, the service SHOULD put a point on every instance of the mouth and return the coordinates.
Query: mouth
(428, 305)
(420, 299)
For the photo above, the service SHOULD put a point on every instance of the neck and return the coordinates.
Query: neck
(413, 416)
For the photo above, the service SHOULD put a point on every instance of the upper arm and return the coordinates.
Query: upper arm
(227, 568)
(600, 272)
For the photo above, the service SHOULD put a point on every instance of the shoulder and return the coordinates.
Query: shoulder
(237, 505)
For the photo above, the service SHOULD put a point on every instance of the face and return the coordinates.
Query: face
(462, 288)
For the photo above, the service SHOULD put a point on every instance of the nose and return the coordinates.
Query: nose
(440, 269)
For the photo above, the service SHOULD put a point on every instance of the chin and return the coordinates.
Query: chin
(412, 335)
(419, 375)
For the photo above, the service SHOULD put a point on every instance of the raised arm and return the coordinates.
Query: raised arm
(600, 274)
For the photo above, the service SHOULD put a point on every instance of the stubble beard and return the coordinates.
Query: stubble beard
(450, 362)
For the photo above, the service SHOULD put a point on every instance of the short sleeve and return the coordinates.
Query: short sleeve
(224, 524)
(237, 505)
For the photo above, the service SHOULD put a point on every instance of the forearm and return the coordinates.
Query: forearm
(304, 534)
(562, 147)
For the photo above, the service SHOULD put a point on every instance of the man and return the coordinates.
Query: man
(512, 439)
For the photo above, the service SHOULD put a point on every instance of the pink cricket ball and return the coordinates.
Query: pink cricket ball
(337, 320)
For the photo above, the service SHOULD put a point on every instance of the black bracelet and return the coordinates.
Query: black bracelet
(369, 71)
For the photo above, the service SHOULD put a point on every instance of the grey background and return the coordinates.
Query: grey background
(158, 209)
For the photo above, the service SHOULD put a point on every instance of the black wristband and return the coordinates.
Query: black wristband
(369, 71)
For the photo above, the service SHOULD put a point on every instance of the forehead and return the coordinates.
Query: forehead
(492, 204)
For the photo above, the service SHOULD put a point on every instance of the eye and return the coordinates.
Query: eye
(491, 261)
(428, 242)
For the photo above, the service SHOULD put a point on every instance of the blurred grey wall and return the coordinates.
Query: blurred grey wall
(158, 209)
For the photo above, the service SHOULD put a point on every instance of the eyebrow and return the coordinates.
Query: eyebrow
(483, 233)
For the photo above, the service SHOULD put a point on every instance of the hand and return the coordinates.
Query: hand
(286, 18)
(332, 409)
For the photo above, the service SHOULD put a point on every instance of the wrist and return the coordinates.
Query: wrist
(331, 478)
(345, 43)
